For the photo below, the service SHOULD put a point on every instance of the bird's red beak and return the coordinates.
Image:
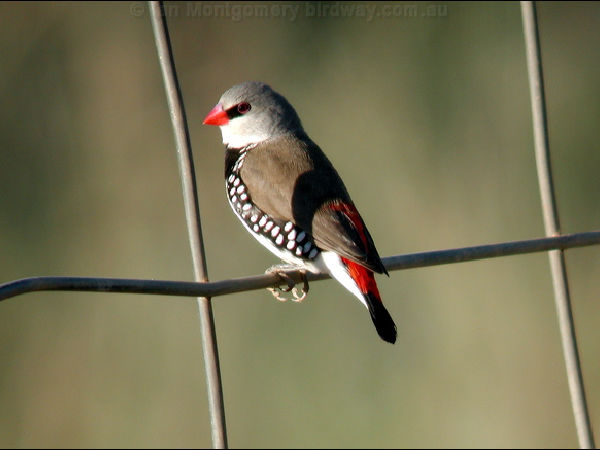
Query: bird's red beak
(216, 116)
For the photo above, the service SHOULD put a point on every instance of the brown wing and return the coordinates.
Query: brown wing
(339, 227)
(293, 167)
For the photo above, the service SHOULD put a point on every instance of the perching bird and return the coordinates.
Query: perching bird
(288, 195)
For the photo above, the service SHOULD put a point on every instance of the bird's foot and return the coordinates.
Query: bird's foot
(281, 270)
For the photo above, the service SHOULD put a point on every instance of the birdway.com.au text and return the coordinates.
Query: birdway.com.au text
(368, 11)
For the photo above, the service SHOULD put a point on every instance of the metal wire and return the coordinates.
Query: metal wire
(233, 285)
(192, 213)
(552, 226)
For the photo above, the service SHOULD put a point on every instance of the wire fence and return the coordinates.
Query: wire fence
(552, 225)
(555, 243)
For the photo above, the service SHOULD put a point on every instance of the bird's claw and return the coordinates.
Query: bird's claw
(291, 284)
(298, 298)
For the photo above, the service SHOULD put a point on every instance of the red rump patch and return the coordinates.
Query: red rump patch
(364, 278)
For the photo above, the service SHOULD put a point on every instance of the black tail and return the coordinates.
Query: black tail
(384, 324)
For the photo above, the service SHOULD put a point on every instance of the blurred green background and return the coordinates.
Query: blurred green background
(427, 119)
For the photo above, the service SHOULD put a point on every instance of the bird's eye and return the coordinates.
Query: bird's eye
(244, 107)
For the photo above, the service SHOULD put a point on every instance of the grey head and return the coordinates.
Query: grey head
(250, 113)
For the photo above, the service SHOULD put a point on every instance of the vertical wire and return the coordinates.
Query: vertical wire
(552, 227)
(192, 212)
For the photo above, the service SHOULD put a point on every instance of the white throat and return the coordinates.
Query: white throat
(232, 138)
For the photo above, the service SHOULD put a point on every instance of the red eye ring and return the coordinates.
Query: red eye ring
(244, 107)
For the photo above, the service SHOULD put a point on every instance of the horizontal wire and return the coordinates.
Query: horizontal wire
(233, 285)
